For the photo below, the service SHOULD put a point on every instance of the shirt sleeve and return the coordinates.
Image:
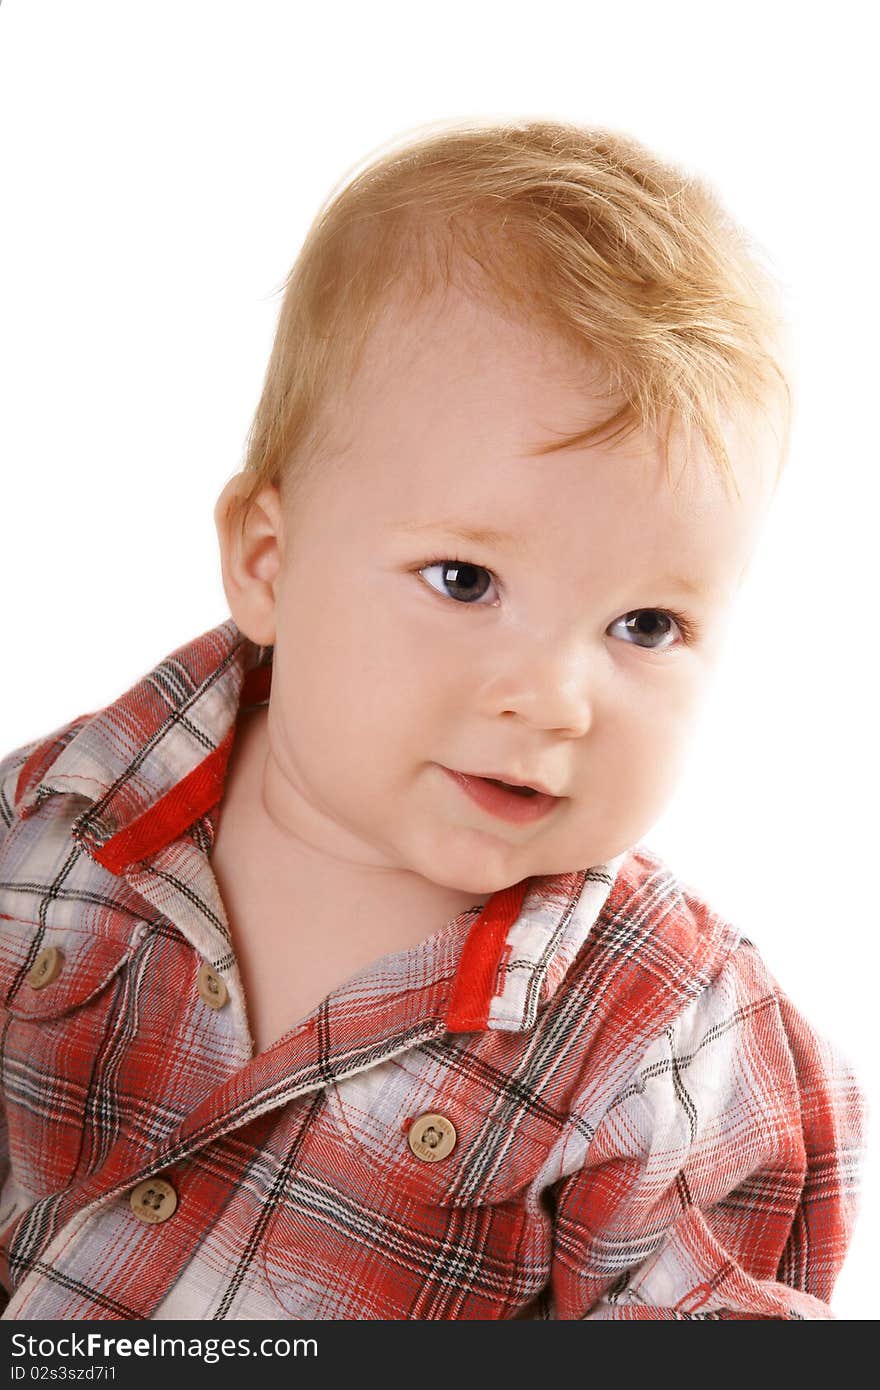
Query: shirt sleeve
(8, 765)
(721, 1180)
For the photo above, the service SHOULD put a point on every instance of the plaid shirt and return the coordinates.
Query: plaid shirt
(644, 1125)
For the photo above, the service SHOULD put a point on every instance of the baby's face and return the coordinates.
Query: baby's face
(569, 644)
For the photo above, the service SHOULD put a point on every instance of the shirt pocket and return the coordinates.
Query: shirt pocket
(503, 1129)
(366, 1228)
(53, 1037)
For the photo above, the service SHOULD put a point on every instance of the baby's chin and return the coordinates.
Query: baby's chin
(480, 860)
(481, 886)
(541, 866)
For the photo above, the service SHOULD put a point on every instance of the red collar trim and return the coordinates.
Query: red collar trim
(184, 803)
(476, 981)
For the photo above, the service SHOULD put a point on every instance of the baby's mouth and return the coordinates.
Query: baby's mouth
(503, 799)
(508, 787)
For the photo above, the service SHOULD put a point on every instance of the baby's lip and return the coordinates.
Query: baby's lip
(515, 781)
(505, 802)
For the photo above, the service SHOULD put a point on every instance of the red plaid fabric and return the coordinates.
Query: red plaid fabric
(645, 1126)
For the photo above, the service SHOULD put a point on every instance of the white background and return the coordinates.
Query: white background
(160, 165)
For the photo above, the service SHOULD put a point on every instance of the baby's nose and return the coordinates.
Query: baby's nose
(552, 686)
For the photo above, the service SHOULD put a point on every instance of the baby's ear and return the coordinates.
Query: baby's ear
(251, 536)
(268, 502)
(236, 512)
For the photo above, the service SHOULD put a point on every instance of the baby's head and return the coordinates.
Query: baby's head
(524, 413)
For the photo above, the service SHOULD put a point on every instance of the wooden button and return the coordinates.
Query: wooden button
(46, 968)
(211, 987)
(431, 1137)
(153, 1200)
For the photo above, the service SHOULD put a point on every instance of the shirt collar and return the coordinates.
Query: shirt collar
(154, 762)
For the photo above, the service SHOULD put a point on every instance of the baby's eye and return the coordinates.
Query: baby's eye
(654, 628)
(461, 580)
(650, 627)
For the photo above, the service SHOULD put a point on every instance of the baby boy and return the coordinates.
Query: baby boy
(336, 982)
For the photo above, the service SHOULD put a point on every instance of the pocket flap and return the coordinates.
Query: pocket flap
(87, 964)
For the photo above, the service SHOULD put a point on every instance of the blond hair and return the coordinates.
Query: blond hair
(586, 232)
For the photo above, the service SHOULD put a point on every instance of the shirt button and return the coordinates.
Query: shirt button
(431, 1137)
(211, 987)
(46, 968)
(153, 1200)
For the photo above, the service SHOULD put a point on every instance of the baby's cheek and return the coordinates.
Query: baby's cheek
(639, 774)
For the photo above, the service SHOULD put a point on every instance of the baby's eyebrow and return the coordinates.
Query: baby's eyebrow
(476, 535)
